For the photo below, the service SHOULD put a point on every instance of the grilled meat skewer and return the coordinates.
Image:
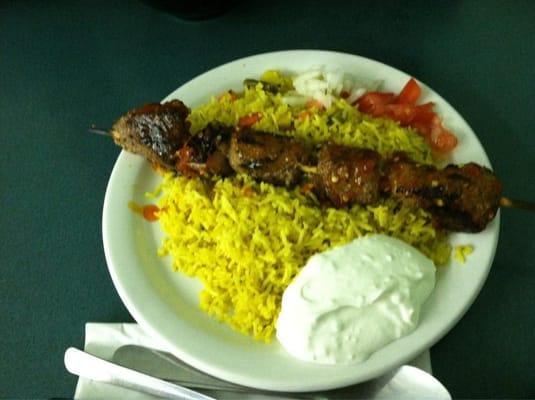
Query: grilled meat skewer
(460, 198)
(155, 131)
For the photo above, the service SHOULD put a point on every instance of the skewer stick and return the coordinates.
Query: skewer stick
(504, 201)
(99, 131)
(521, 204)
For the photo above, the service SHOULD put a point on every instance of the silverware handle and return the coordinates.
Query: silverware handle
(88, 366)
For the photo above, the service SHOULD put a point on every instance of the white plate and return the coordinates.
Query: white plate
(165, 303)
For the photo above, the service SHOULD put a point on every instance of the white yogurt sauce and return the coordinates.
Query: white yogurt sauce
(349, 302)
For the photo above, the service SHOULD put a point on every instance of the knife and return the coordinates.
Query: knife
(166, 366)
(406, 382)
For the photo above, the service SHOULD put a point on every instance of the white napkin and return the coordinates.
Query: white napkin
(102, 340)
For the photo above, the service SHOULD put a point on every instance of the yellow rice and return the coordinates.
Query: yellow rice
(461, 253)
(246, 240)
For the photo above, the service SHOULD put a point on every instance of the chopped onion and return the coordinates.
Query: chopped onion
(324, 86)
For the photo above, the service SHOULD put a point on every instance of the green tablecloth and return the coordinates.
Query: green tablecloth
(67, 64)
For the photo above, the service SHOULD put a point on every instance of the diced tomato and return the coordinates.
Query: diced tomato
(424, 113)
(423, 129)
(410, 93)
(249, 120)
(443, 140)
(408, 115)
(446, 142)
(403, 109)
(403, 113)
(374, 103)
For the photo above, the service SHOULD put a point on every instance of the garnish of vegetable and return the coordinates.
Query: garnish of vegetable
(149, 211)
(404, 109)
(249, 120)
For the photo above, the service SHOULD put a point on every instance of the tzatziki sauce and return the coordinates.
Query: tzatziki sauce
(350, 301)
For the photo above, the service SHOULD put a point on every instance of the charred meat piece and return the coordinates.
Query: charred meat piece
(155, 131)
(460, 198)
(405, 180)
(206, 152)
(347, 175)
(270, 158)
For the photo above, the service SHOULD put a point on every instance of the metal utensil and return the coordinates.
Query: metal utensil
(88, 366)
(170, 368)
(407, 382)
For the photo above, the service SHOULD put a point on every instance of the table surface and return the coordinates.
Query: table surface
(67, 64)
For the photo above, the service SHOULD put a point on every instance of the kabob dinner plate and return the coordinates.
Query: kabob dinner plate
(165, 303)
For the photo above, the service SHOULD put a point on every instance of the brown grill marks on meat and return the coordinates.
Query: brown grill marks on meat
(459, 198)
(206, 152)
(156, 131)
(347, 175)
(270, 158)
